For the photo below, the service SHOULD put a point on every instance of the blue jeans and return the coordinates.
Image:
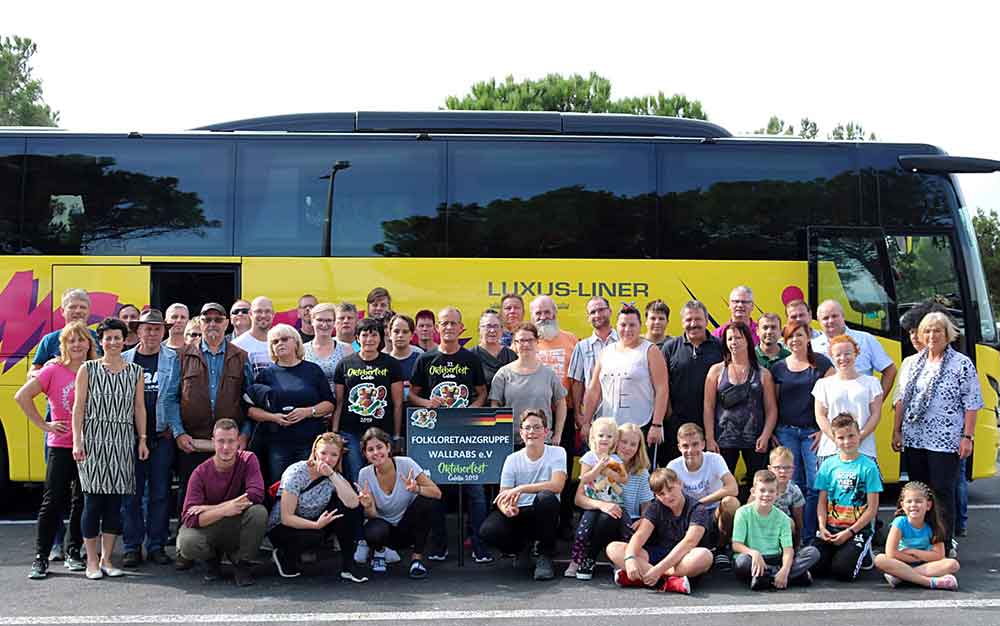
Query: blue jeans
(961, 498)
(281, 454)
(799, 441)
(354, 460)
(149, 517)
(474, 497)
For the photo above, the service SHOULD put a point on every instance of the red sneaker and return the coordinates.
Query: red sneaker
(677, 584)
(622, 580)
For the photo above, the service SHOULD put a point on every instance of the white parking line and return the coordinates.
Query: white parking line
(399, 616)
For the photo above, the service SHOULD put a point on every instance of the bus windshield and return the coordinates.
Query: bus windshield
(977, 280)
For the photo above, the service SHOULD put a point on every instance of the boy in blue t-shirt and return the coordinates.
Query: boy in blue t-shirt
(848, 486)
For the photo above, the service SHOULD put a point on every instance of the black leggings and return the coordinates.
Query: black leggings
(62, 493)
(412, 529)
(102, 513)
(295, 541)
(539, 521)
(596, 530)
(939, 471)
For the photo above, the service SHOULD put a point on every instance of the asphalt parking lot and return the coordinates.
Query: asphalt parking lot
(485, 593)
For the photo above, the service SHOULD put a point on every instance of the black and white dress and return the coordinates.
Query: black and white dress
(109, 430)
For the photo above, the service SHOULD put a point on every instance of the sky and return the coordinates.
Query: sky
(914, 71)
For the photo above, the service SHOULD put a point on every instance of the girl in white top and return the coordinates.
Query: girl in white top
(595, 495)
(847, 392)
(629, 381)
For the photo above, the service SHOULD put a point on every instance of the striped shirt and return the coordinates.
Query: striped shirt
(637, 493)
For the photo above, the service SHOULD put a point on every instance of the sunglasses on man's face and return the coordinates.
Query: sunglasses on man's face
(240, 312)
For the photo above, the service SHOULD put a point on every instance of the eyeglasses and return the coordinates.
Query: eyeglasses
(490, 326)
(192, 335)
(213, 319)
(240, 312)
(532, 428)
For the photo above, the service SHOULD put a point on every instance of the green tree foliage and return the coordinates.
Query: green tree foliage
(572, 94)
(808, 129)
(21, 95)
(987, 227)
(852, 131)
(776, 126)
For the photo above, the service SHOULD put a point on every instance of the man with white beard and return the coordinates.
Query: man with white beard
(555, 349)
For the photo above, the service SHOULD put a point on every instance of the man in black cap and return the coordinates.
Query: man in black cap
(213, 374)
(157, 362)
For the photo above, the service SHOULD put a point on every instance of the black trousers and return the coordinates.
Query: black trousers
(753, 461)
(540, 522)
(62, 493)
(939, 471)
(568, 443)
(665, 451)
(295, 541)
(412, 529)
(843, 562)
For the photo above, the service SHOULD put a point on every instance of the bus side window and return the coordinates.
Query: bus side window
(11, 160)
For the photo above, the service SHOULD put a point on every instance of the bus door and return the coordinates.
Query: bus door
(109, 285)
(852, 266)
(193, 282)
(978, 325)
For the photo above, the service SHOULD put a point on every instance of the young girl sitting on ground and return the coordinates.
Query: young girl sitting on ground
(914, 550)
(600, 494)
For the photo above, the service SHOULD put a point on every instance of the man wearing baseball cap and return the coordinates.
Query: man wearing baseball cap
(213, 374)
(157, 362)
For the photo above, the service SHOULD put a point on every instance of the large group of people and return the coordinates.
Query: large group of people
(295, 435)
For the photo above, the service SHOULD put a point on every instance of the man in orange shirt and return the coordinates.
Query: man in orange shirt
(555, 349)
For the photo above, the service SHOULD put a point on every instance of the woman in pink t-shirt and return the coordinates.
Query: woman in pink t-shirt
(57, 380)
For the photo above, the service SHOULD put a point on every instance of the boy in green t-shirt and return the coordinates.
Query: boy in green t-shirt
(762, 541)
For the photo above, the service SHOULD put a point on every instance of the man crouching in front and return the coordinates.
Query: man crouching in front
(222, 513)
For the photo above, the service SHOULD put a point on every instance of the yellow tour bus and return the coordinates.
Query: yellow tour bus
(462, 207)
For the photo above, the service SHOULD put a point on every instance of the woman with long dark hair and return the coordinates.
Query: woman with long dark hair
(740, 407)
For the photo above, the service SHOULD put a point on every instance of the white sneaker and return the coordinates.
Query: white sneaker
(391, 556)
(56, 553)
(571, 569)
(361, 553)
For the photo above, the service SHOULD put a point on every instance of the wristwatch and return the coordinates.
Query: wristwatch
(312, 412)
(969, 437)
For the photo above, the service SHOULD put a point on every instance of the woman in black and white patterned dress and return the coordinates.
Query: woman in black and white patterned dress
(108, 413)
(936, 414)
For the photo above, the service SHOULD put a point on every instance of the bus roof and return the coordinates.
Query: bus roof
(480, 122)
